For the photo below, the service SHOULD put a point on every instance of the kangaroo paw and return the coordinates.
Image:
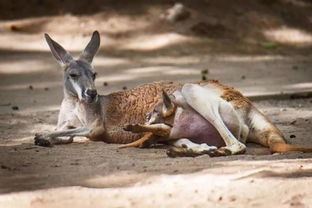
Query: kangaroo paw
(184, 152)
(220, 152)
(43, 140)
(136, 128)
(225, 151)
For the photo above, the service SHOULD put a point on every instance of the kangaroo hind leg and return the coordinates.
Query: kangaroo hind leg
(207, 102)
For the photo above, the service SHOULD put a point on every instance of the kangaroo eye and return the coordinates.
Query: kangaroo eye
(148, 116)
(73, 75)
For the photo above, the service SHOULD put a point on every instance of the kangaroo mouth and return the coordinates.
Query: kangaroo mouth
(89, 99)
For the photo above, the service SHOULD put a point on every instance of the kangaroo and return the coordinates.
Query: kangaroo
(98, 117)
(103, 117)
(208, 118)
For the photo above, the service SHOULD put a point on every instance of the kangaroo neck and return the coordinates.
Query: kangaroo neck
(87, 113)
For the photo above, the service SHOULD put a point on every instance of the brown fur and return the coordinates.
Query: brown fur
(140, 142)
(139, 101)
(232, 95)
(262, 131)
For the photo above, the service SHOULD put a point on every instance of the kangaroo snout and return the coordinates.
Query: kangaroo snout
(92, 93)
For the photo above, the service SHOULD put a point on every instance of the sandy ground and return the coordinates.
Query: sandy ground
(141, 48)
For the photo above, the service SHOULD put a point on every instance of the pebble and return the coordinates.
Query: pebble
(15, 107)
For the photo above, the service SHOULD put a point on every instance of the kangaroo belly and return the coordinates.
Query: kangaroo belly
(190, 124)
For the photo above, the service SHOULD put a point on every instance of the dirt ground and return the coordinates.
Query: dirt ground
(263, 48)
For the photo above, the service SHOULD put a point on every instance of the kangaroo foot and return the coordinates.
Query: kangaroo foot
(43, 140)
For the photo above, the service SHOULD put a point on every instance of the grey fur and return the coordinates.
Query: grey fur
(79, 75)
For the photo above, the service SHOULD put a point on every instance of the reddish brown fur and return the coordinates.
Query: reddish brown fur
(140, 100)
(232, 95)
(270, 136)
(131, 106)
(139, 142)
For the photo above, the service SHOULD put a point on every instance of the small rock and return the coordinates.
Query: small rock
(74, 163)
(204, 78)
(295, 67)
(105, 84)
(4, 167)
(232, 198)
(292, 136)
(293, 122)
(283, 109)
(15, 107)
(124, 87)
(205, 71)
(243, 77)
(30, 87)
(14, 27)
(176, 13)
(46, 89)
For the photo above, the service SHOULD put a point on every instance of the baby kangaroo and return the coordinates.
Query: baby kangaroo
(209, 118)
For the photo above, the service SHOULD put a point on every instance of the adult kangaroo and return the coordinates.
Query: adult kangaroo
(103, 117)
(98, 117)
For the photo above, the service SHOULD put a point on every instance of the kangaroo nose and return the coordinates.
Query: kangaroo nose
(92, 93)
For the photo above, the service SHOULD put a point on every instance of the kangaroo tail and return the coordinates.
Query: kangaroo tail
(264, 132)
(283, 147)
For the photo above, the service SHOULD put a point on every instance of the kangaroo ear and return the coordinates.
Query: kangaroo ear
(60, 54)
(168, 106)
(91, 49)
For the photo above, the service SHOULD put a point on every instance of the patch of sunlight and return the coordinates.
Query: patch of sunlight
(42, 108)
(233, 58)
(304, 85)
(109, 61)
(172, 60)
(273, 90)
(11, 41)
(188, 71)
(287, 35)
(151, 69)
(119, 179)
(36, 42)
(22, 66)
(152, 42)
(117, 77)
